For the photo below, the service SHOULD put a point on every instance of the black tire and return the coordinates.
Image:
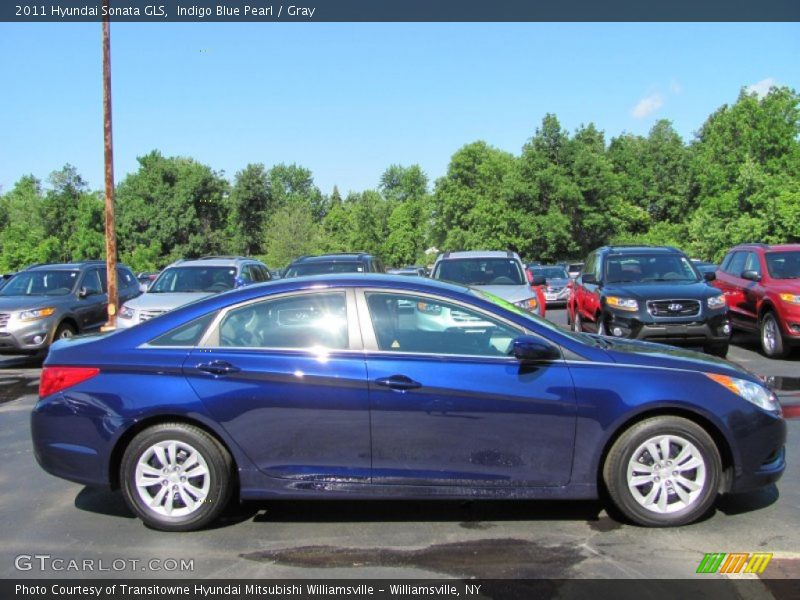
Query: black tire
(621, 457)
(601, 325)
(64, 330)
(720, 350)
(219, 468)
(777, 348)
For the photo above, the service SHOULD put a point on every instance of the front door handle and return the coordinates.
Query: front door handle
(218, 367)
(398, 382)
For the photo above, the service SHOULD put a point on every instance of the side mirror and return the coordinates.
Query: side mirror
(241, 282)
(85, 292)
(538, 280)
(589, 278)
(530, 348)
(751, 275)
(709, 276)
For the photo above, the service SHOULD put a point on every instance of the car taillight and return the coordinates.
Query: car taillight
(55, 379)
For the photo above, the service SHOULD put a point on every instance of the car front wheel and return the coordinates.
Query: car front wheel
(771, 337)
(176, 477)
(663, 471)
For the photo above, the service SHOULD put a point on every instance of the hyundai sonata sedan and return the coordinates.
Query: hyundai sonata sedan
(328, 387)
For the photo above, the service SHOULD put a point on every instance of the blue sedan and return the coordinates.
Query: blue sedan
(381, 386)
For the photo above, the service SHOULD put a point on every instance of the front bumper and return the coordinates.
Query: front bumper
(557, 297)
(789, 318)
(26, 337)
(762, 454)
(713, 329)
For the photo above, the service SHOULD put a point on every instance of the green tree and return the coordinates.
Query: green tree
(250, 203)
(173, 205)
(292, 232)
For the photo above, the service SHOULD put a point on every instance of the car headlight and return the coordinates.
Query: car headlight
(622, 303)
(716, 301)
(39, 313)
(791, 298)
(752, 392)
(530, 304)
(126, 312)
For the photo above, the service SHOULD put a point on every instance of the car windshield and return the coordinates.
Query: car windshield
(650, 268)
(194, 279)
(784, 265)
(323, 267)
(480, 271)
(551, 272)
(41, 283)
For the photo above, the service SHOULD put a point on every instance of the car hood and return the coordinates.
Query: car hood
(159, 301)
(509, 293)
(12, 303)
(648, 354)
(662, 290)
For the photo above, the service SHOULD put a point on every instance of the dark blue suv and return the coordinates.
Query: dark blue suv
(651, 293)
(346, 387)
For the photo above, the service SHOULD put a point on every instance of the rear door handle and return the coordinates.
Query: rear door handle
(398, 382)
(218, 367)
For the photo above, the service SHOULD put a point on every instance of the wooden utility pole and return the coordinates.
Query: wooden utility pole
(111, 238)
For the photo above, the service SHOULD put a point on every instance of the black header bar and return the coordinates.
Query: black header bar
(305, 11)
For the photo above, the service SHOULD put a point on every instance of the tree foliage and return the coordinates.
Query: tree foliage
(563, 195)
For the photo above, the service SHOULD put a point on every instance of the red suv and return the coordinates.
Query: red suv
(762, 288)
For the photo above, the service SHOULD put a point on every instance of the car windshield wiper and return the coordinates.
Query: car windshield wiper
(670, 279)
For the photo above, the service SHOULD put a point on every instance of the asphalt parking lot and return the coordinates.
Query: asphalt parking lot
(42, 515)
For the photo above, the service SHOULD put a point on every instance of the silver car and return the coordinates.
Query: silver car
(188, 280)
(47, 302)
(498, 272)
(557, 280)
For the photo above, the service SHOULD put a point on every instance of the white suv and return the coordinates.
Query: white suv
(187, 280)
(498, 272)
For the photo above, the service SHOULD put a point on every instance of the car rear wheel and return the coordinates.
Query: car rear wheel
(771, 338)
(663, 471)
(601, 325)
(176, 477)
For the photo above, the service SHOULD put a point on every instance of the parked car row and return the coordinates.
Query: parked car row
(658, 294)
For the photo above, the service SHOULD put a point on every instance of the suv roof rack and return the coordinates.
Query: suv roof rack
(757, 244)
(220, 257)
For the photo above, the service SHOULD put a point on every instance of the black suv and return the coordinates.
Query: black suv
(649, 292)
(354, 262)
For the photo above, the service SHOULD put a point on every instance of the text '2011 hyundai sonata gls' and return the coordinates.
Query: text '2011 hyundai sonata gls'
(337, 387)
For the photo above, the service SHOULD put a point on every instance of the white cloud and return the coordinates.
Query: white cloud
(761, 88)
(647, 106)
(675, 86)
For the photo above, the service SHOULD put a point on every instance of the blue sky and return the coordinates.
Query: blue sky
(348, 100)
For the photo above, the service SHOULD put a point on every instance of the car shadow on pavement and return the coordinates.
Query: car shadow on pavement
(737, 504)
(103, 502)
(475, 514)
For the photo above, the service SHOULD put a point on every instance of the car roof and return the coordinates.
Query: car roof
(768, 247)
(337, 257)
(213, 261)
(640, 249)
(478, 254)
(73, 266)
